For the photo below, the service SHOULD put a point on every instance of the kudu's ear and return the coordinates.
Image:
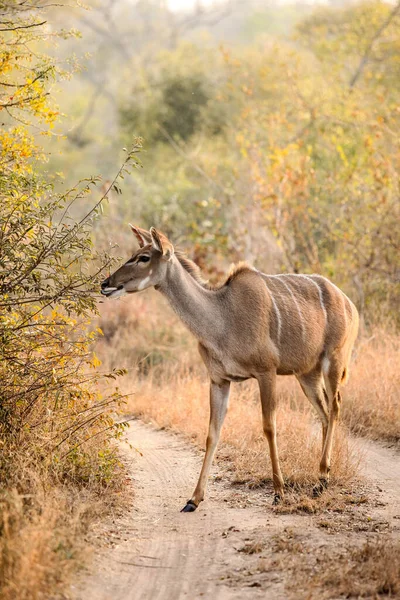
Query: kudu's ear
(142, 236)
(161, 243)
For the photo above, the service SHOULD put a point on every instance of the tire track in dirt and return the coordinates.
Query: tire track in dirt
(381, 465)
(163, 554)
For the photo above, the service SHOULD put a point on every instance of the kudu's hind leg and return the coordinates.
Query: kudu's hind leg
(267, 385)
(219, 397)
(312, 385)
(333, 378)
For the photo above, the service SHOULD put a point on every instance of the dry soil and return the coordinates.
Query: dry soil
(236, 545)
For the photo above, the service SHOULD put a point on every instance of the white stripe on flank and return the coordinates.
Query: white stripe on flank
(303, 329)
(321, 298)
(325, 365)
(278, 314)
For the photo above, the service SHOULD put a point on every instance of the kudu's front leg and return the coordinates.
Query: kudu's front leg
(219, 396)
(267, 383)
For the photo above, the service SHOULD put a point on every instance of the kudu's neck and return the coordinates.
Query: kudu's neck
(198, 307)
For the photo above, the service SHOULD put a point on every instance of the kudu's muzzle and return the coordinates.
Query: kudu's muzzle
(106, 289)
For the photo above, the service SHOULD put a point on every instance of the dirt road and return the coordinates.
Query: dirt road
(235, 546)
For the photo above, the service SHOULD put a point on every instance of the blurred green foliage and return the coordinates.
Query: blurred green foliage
(176, 111)
(278, 146)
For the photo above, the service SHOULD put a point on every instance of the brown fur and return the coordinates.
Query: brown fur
(195, 271)
(191, 268)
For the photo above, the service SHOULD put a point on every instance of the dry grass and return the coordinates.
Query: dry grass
(371, 404)
(37, 552)
(180, 401)
(370, 571)
(142, 334)
(252, 547)
(42, 529)
(45, 511)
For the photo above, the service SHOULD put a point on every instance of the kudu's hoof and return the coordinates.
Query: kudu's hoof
(189, 507)
(277, 499)
(320, 487)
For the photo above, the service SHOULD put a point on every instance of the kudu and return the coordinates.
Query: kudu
(252, 326)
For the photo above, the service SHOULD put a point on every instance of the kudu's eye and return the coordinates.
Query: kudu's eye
(143, 258)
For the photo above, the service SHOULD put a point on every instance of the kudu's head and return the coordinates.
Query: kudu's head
(147, 267)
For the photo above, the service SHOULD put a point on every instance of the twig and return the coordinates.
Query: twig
(368, 50)
(23, 26)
